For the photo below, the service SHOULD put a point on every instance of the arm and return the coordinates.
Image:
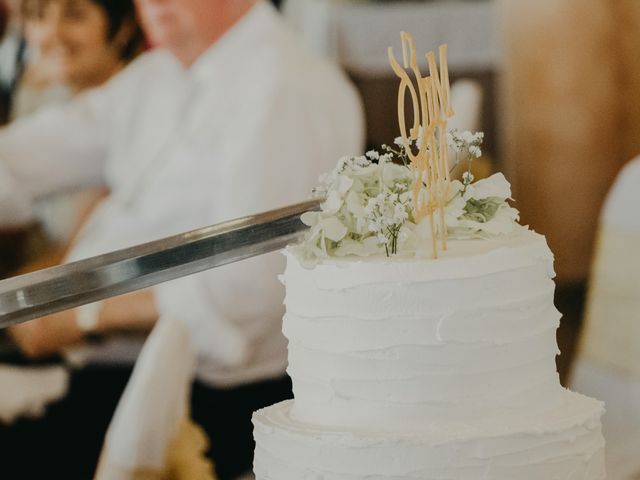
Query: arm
(58, 148)
(74, 143)
(49, 335)
(55, 254)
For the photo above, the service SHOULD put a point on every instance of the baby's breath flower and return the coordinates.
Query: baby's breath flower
(475, 151)
(368, 207)
(386, 158)
(467, 136)
(386, 215)
(373, 155)
(401, 142)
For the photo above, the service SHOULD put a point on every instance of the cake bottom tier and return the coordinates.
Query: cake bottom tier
(564, 444)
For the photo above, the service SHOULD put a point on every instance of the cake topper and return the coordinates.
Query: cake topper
(404, 199)
(431, 109)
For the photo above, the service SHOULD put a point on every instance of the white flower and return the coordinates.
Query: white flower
(369, 205)
(385, 158)
(503, 222)
(465, 142)
(321, 223)
(362, 161)
(353, 203)
(393, 174)
(467, 136)
(401, 142)
(416, 239)
(333, 229)
(333, 202)
(475, 151)
(375, 225)
(342, 164)
(310, 218)
(400, 213)
(343, 184)
(495, 186)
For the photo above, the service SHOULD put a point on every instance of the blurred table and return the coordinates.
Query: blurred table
(357, 33)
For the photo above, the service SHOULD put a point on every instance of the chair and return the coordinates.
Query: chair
(608, 364)
(151, 436)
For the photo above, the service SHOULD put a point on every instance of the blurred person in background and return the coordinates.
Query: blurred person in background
(230, 115)
(10, 48)
(4, 17)
(12, 242)
(64, 47)
(68, 48)
(73, 44)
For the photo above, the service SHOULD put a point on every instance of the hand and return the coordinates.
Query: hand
(49, 335)
(133, 311)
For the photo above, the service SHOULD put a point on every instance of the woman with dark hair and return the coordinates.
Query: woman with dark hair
(70, 47)
(75, 44)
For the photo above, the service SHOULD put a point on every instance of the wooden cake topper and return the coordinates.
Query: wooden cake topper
(425, 143)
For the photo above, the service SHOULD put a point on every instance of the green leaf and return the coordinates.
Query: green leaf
(482, 210)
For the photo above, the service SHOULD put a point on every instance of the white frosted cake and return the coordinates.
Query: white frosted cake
(428, 369)
(421, 324)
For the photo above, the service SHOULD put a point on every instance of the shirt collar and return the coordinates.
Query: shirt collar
(240, 37)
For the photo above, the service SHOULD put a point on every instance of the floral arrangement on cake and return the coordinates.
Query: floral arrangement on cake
(403, 199)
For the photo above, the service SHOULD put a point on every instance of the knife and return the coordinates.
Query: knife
(51, 290)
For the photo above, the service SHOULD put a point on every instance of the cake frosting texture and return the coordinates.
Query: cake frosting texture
(407, 368)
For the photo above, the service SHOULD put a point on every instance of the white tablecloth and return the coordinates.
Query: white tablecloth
(621, 422)
(357, 34)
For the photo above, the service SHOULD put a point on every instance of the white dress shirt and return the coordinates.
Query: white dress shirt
(247, 128)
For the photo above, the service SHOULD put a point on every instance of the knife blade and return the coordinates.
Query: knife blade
(51, 290)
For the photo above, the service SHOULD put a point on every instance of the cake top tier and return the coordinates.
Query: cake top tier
(464, 258)
(402, 342)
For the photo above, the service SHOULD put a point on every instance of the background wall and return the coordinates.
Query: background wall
(570, 119)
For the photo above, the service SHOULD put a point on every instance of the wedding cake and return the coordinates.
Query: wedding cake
(421, 329)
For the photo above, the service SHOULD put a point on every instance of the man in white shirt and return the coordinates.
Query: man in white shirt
(229, 117)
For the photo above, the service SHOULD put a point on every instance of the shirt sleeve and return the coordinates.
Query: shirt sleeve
(57, 148)
(275, 159)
